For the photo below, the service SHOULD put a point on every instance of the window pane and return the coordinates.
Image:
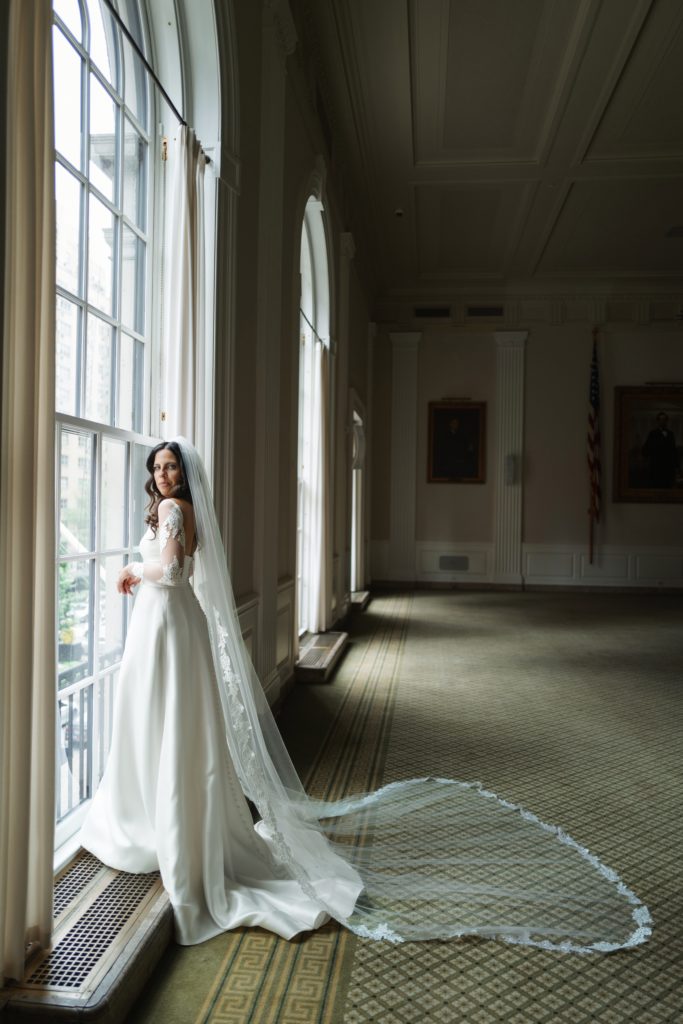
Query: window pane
(126, 383)
(140, 476)
(111, 612)
(98, 370)
(106, 688)
(101, 242)
(74, 621)
(135, 93)
(67, 85)
(66, 357)
(134, 175)
(102, 171)
(103, 41)
(113, 501)
(139, 392)
(75, 527)
(75, 754)
(68, 198)
(132, 281)
(70, 13)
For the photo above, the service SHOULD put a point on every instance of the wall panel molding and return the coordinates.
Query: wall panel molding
(628, 566)
(551, 565)
(285, 629)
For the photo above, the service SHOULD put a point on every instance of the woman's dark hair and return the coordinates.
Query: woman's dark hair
(181, 490)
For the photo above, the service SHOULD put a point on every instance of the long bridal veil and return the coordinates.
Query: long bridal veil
(435, 858)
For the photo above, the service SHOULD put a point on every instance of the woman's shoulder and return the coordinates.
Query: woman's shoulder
(166, 506)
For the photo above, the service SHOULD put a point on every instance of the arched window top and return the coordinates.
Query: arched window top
(113, 60)
(315, 292)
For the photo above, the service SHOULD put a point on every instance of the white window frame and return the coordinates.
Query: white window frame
(101, 702)
(314, 328)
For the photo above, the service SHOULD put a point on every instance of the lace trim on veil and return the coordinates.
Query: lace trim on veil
(419, 859)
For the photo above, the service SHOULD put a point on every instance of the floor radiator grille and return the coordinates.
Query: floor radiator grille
(73, 881)
(77, 954)
(111, 928)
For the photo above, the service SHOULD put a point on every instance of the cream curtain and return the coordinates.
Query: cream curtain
(317, 562)
(186, 362)
(27, 509)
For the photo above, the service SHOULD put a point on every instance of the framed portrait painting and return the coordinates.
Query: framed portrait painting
(648, 444)
(457, 443)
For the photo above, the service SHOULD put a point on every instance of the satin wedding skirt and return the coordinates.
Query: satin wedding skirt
(170, 799)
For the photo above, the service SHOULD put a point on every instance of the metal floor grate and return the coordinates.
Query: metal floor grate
(74, 880)
(313, 658)
(80, 950)
(319, 654)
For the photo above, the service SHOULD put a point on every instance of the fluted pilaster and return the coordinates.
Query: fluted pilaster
(510, 347)
(403, 454)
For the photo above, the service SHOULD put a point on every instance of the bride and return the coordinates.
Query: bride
(194, 737)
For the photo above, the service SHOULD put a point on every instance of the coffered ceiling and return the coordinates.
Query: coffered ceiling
(502, 145)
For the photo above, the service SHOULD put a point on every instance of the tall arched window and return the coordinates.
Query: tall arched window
(314, 413)
(104, 144)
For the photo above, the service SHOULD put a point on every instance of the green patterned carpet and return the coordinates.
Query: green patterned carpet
(569, 704)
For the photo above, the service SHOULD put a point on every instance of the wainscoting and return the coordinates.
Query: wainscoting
(611, 567)
(542, 565)
(285, 654)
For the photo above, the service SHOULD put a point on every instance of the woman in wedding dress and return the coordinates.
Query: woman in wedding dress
(193, 737)
(170, 799)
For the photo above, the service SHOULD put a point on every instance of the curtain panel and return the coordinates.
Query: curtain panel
(317, 557)
(27, 500)
(185, 359)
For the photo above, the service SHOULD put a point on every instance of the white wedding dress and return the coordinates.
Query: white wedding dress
(170, 799)
(423, 858)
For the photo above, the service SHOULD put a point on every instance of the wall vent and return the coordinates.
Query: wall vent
(454, 563)
(485, 311)
(432, 312)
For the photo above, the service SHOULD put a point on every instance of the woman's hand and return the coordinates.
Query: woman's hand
(128, 579)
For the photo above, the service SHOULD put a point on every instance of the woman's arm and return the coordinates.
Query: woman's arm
(172, 545)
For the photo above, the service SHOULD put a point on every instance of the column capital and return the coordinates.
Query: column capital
(510, 339)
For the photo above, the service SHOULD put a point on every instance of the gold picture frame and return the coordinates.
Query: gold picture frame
(648, 444)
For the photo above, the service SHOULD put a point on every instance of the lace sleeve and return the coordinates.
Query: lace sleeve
(171, 546)
(171, 542)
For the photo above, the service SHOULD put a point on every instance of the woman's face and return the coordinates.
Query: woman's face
(167, 472)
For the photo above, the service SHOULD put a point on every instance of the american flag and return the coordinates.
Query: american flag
(594, 467)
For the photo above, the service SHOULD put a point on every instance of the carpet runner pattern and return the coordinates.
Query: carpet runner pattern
(569, 704)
